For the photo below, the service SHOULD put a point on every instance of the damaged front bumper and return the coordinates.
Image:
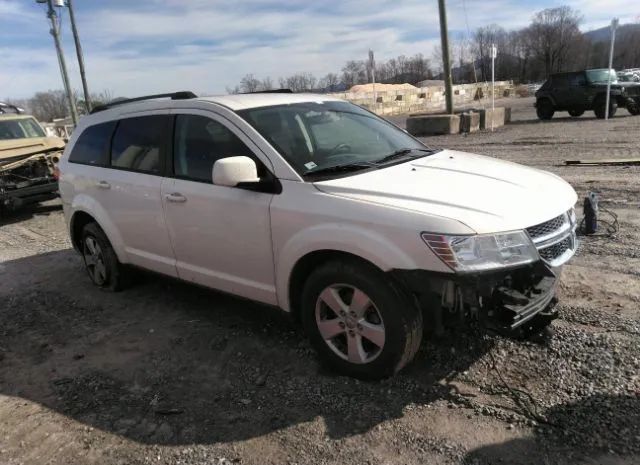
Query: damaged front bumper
(510, 302)
(29, 179)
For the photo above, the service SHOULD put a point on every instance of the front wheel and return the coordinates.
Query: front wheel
(360, 322)
(633, 106)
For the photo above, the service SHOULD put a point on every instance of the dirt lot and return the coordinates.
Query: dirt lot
(168, 373)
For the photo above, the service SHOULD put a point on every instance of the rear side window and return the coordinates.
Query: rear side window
(578, 79)
(199, 142)
(92, 145)
(560, 80)
(138, 143)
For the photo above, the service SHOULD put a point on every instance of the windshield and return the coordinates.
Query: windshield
(22, 128)
(314, 136)
(602, 75)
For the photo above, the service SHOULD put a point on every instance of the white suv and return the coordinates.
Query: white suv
(321, 208)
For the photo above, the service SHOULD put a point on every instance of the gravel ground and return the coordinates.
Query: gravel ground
(166, 373)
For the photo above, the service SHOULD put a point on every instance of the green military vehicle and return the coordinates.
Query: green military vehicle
(581, 91)
(28, 160)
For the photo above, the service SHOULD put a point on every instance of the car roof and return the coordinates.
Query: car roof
(233, 102)
(244, 101)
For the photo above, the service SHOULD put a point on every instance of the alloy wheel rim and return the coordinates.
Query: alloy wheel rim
(350, 323)
(94, 261)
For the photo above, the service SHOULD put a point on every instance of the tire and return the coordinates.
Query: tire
(544, 109)
(384, 311)
(100, 260)
(600, 105)
(633, 106)
(576, 113)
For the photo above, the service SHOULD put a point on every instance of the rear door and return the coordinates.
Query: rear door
(561, 90)
(221, 235)
(576, 91)
(130, 190)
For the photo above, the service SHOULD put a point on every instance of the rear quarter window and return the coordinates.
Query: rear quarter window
(92, 145)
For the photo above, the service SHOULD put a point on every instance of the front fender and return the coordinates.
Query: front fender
(86, 204)
(354, 240)
(545, 97)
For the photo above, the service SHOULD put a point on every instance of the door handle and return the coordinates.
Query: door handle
(103, 185)
(175, 197)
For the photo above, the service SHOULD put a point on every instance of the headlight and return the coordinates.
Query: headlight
(483, 252)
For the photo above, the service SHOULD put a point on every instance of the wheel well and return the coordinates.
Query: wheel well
(78, 222)
(305, 265)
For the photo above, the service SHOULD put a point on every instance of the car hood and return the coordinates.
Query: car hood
(14, 149)
(486, 194)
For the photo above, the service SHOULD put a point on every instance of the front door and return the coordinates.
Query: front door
(221, 235)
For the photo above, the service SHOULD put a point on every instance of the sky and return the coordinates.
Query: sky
(137, 47)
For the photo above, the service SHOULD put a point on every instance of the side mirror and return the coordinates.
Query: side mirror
(232, 171)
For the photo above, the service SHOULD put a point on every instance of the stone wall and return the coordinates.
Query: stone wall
(424, 99)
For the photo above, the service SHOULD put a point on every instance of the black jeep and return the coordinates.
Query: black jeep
(580, 91)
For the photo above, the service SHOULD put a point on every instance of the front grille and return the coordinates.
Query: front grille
(556, 250)
(546, 228)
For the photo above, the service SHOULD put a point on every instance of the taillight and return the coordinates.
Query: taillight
(56, 173)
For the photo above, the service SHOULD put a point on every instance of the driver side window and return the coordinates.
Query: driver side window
(199, 142)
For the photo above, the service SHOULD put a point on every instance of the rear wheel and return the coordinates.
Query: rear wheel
(100, 260)
(544, 109)
(576, 113)
(360, 322)
(600, 106)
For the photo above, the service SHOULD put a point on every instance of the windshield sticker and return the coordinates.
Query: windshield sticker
(311, 165)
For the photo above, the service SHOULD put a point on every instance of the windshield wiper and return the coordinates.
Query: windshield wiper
(355, 166)
(399, 154)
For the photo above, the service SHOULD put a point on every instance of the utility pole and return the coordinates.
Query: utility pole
(614, 25)
(494, 55)
(76, 39)
(446, 62)
(372, 70)
(51, 14)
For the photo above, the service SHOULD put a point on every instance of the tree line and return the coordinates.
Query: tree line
(52, 104)
(551, 43)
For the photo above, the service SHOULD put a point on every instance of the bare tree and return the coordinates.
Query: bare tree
(482, 41)
(354, 72)
(249, 83)
(329, 82)
(554, 33)
(266, 84)
(300, 82)
(49, 105)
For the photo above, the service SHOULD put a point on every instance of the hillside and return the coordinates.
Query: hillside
(603, 34)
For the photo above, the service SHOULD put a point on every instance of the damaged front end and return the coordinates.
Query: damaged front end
(28, 179)
(514, 302)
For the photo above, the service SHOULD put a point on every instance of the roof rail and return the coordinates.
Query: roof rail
(272, 91)
(182, 95)
(4, 106)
